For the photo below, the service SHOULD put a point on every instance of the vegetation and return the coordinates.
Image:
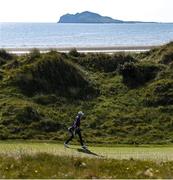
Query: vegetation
(4, 55)
(127, 98)
(52, 74)
(29, 159)
(44, 165)
(103, 62)
(135, 74)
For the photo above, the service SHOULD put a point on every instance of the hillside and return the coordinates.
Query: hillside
(127, 98)
(87, 17)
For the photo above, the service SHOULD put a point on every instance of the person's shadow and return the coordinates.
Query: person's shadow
(87, 151)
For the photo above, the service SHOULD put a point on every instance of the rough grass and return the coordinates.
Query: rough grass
(44, 165)
(141, 113)
(53, 74)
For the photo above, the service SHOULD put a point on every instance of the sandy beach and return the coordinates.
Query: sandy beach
(110, 49)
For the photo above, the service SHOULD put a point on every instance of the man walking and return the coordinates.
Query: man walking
(75, 129)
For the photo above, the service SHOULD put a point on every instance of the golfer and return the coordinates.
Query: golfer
(75, 129)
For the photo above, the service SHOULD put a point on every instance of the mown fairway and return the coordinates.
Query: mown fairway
(155, 153)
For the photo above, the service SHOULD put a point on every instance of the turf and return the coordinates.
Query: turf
(154, 153)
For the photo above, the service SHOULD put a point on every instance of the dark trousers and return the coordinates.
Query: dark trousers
(76, 131)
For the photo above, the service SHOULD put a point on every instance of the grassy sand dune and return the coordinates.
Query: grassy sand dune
(127, 98)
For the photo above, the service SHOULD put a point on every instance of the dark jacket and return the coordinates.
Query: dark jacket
(76, 123)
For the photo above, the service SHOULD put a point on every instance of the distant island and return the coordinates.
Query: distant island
(90, 17)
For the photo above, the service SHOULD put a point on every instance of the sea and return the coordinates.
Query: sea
(55, 35)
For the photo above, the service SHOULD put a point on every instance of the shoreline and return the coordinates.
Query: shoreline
(105, 49)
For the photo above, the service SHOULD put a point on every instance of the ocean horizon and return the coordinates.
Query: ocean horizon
(55, 35)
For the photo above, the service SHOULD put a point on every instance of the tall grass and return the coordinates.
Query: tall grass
(44, 165)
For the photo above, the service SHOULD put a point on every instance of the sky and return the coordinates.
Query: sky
(51, 10)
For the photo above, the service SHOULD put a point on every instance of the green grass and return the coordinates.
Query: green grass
(155, 153)
(51, 160)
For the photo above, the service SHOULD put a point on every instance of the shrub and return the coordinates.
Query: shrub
(138, 74)
(5, 55)
(27, 115)
(13, 64)
(167, 58)
(104, 62)
(52, 74)
(1, 75)
(48, 125)
(73, 52)
(159, 93)
(35, 53)
(160, 54)
(2, 61)
(45, 99)
(4, 132)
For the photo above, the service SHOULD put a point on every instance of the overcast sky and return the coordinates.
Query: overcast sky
(51, 10)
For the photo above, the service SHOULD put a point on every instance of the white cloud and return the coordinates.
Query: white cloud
(51, 10)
